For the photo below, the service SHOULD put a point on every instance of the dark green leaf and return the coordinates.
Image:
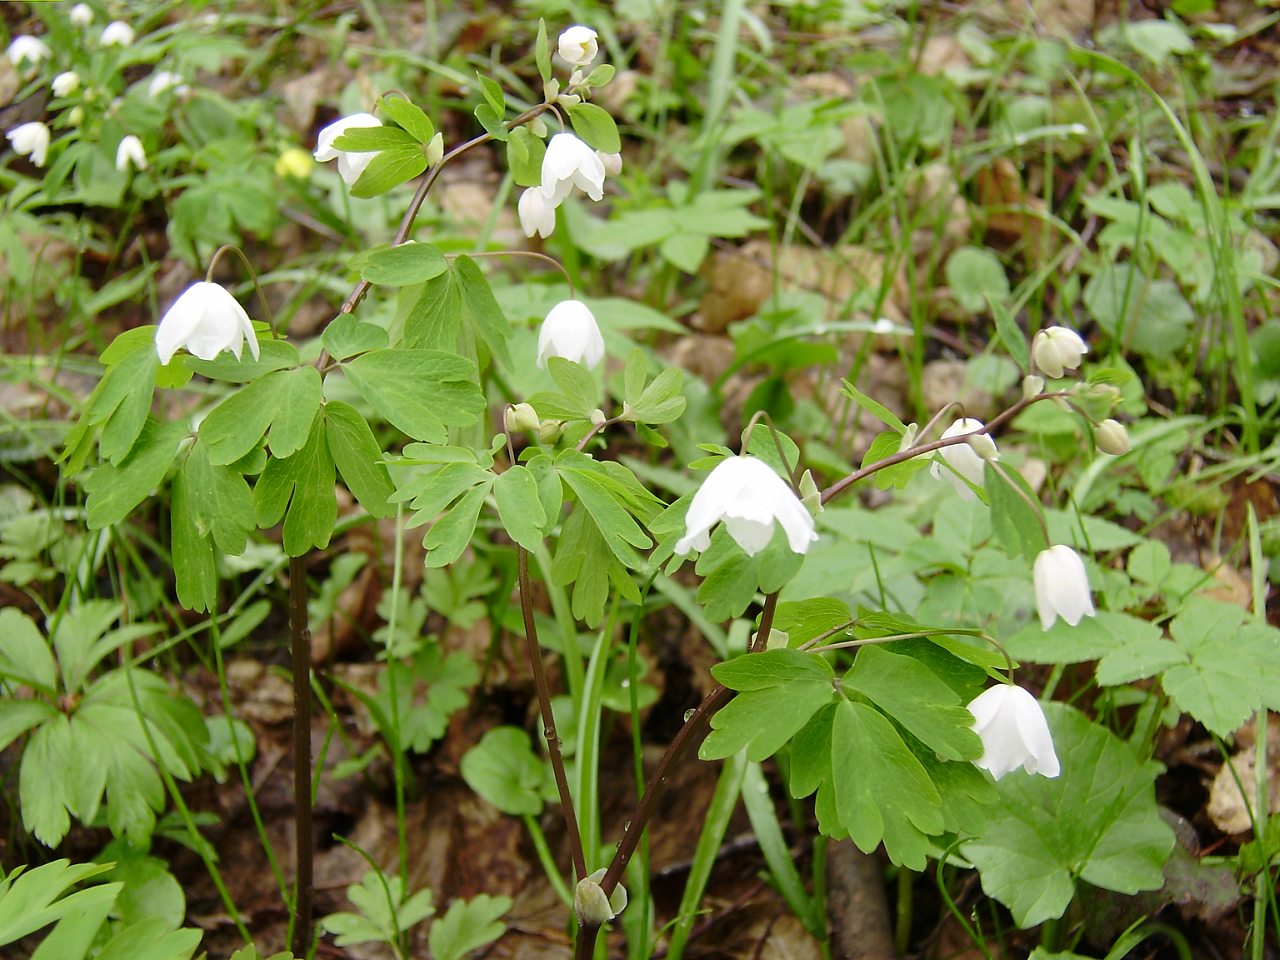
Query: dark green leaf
(422, 392)
(300, 489)
(1014, 517)
(358, 458)
(389, 169)
(345, 337)
(520, 508)
(409, 116)
(434, 317)
(113, 491)
(286, 401)
(489, 320)
(400, 265)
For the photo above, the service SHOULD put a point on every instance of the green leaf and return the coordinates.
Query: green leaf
(975, 276)
(468, 925)
(1097, 822)
(778, 696)
(524, 157)
(114, 490)
(24, 658)
(439, 686)
(601, 75)
(492, 121)
(272, 355)
(422, 392)
(685, 250)
(373, 139)
(285, 401)
(400, 265)
(358, 458)
(1093, 638)
(1149, 316)
(492, 93)
(1014, 520)
(300, 489)
(121, 402)
(595, 126)
(384, 913)
(220, 502)
(773, 668)
(882, 791)
(504, 770)
(32, 899)
(660, 401)
(389, 169)
(732, 579)
(575, 382)
(452, 533)
(886, 445)
(873, 407)
(195, 574)
(489, 320)
(542, 52)
(599, 494)
(345, 336)
(805, 620)
(584, 560)
(520, 508)
(434, 317)
(409, 116)
(1011, 335)
(917, 699)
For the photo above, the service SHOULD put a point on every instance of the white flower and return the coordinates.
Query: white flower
(65, 84)
(130, 154)
(537, 214)
(350, 165)
(117, 33)
(1014, 733)
(570, 163)
(964, 458)
(1062, 586)
(163, 81)
(570, 331)
(1057, 349)
(28, 49)
(30, 139)
(206, 320)
(82, 15)
(748, 496)
(578, 46)
(612, 162)
(1111, 437)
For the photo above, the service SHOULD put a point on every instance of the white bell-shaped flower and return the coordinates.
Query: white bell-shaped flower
(66, 83)
(1062, 586)
(537, 213)
(206, 320)
(130, 154)
(30, 140)
(578, 46)
(1014, 733)
(29, 50)
(570, 331)
(965, 459)
(749, 497)
(570, 163)
(81, 15)
(1057, 350)
(117, 33)
(350, 165)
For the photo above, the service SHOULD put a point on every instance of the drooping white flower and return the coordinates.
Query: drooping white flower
(612, 162)
(537, 214)
(130, 154)
(206, 320)
(749, 497)
(30, 140)
(570, 163)
(65, 84)
(578, 46)
(350, 165)
(965, 459)
(1111, 437)
(81, 15)
(29, 50)
(1014, 733)
(117, 33)
(1058, 349)
(570, 331)
(163, 81)
(1062, 586)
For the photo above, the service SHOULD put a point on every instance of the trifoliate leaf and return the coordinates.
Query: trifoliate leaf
(285, 401)
(114, 490)
(422, 392)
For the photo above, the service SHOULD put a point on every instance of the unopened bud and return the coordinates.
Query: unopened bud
(598, 418)
(435, 149)
(908, 437)
(576, 78)
(592, 906)
(549, 431)
(810, 495)
(75, 116)
(1032, 386)
(551, 90)
(521, 418)
(1111, 437)
(984, 446)
(569, 99)
(538, 127)
(1057, 350)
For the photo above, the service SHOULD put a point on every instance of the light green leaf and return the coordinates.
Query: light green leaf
(373, 139)
(422, 392)
(345, 336)
(492, 122)
(24, 655)
(286, 401)
(504, 770)
(519, 507)
(409, 116)
(595, 126)
(487, 317)
(358, 458)
(399, 265)
(114, 490)
(468, 925)
(524, 157)
(272, 355)
(451, 534)
(1014, 520)
(390, 168)
(976, 275)
(1096, 822)
(434, 315)
(300, 489)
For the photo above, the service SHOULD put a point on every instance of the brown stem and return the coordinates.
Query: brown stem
(300, 637)
(548, 718)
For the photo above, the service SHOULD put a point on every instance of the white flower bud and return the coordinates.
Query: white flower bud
(570, 331)
(598, 419)
(435, 149)
(590, 904)
(130, 154)
(549, 431)
(810, 495)
(908, 437)
(66, 84)
(81, 15)
(1111, 437)
(1057, 349)
(578, 46)
(28, 50)
(964, 459)
(537, 213)
(984, 446)
(521, 418)
(117, 33)
(1062, 586)
(1032, 386)
(30, 140)
(612, 162)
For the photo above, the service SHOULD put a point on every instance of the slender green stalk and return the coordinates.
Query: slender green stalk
(397, 746)
(543, 850)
